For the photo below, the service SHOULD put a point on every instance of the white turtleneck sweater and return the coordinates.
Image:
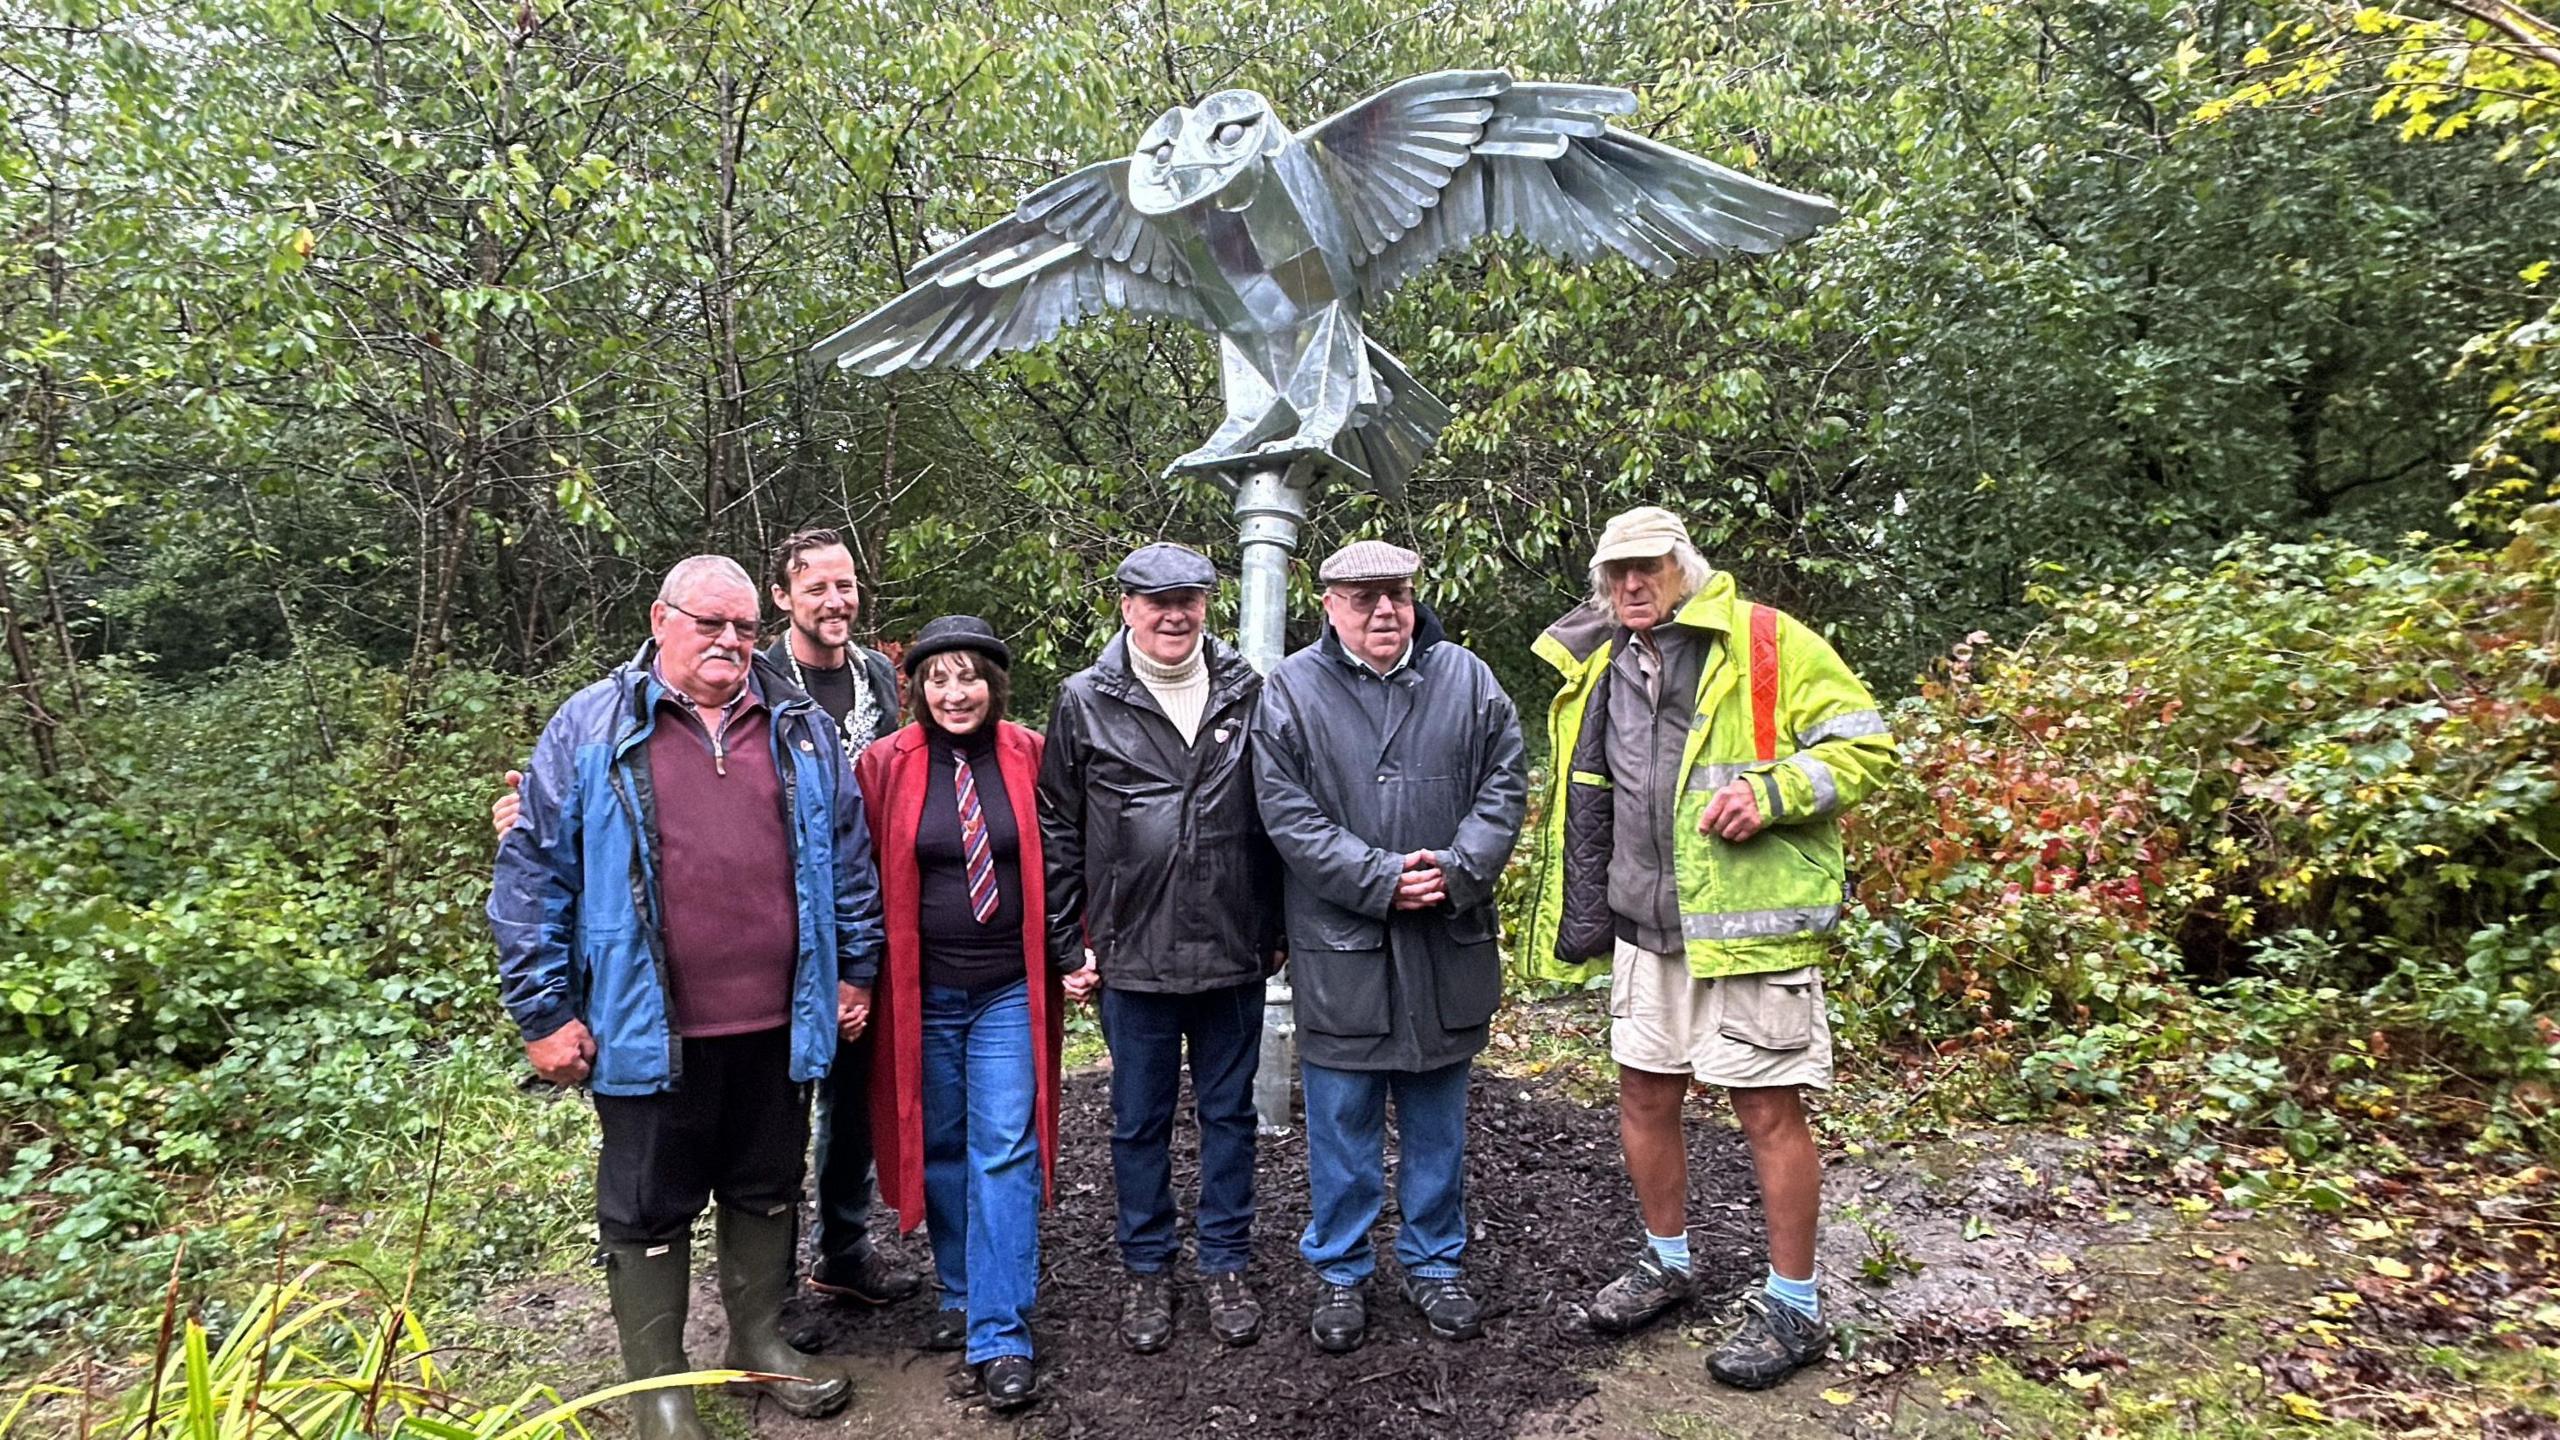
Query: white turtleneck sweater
(1183, 690)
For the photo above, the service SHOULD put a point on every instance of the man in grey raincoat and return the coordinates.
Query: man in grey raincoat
(1389, 768)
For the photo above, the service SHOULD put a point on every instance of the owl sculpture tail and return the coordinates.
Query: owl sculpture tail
(1390, 439)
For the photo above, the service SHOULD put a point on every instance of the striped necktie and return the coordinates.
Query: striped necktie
(973, 842)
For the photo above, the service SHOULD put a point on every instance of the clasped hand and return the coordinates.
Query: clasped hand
(1422, 885)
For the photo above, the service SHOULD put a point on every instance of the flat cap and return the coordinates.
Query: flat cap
(1363, 561)
(1643, 533)
(956, 632)
(1154, 569)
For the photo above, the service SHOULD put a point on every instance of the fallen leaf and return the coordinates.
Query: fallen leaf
(2385, 1265)
(2055, 1264)
(1839, 1397)
(2303, 1407)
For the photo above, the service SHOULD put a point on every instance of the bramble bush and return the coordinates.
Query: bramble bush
(2284, 833)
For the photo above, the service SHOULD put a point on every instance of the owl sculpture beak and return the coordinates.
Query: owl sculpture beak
(1190, 179)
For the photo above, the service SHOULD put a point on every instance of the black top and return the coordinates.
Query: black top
(960, 952)
(832, 689)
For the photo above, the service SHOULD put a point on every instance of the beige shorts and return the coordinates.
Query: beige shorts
(1739, 1032)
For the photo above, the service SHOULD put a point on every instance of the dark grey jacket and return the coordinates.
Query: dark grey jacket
(1155, 852)
(1351, 780)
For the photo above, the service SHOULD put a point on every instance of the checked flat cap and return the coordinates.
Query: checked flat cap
(1154, 569)
(1363, 561)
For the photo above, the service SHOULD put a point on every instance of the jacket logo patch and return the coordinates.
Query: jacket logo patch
(1220, 735)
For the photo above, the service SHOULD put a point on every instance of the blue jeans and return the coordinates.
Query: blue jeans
(1346, 1169)
(1146, 1034)
(982, 1161)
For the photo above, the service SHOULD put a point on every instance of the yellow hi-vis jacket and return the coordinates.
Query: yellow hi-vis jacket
(1776, 705)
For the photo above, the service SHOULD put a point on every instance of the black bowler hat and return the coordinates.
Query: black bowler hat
(1154, 569)
(956, 632)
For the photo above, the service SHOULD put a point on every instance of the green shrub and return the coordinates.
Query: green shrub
(241, 949)
(2314, 790)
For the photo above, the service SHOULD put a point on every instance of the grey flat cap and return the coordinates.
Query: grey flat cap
(1154, 569)
(1363, 561)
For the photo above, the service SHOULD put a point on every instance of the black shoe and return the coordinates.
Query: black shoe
(1341, 1319)
(863, 1276)
(1775, 1341)
(1641, 1296)
(947, 1330)
(1446, 1307)
(1010, 1381)
(1146, 1311)
(1235, 1317)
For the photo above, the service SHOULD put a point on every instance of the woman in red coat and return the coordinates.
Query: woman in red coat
(964, 1090)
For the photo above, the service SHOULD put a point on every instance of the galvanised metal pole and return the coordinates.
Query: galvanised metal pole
(1270, 506)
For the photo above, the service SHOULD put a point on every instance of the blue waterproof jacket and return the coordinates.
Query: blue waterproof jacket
(575, 902)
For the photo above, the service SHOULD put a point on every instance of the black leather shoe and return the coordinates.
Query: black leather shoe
(947, 1330)
(1010, 1381)
(1341, 1319)
(864, 1277)
(1235, 1317)
(1446, 1307)
(1146, 1311)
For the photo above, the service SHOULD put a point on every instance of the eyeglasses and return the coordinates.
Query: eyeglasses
(1365, 598)
(712, 627)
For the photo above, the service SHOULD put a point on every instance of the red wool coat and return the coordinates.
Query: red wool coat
(893, 777)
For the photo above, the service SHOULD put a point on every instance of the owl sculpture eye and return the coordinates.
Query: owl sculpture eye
(1164, 153)
(1231, 132)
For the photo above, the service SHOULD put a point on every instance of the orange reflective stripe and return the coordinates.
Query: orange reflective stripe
(1764, 681)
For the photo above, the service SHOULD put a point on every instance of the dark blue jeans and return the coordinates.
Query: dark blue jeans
(1346, 1169)
(982, 1161)
(1147, 1034)
(845, 1173)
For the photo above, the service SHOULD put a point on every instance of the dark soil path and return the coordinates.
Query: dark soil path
(1552, 1219)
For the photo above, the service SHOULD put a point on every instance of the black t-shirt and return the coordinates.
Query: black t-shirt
(959, 951)
(832, 689)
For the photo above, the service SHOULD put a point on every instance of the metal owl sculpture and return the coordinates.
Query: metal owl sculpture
(1276, 242)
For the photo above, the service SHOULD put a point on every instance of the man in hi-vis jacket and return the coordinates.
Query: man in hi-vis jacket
(1703, 749)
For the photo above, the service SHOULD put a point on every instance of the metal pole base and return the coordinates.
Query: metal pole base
(1270, 506)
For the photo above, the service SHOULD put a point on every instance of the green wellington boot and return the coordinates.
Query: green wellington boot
(757, 1261)
(648, 1285)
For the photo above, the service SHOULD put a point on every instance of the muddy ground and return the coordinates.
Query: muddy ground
(1974, 1245)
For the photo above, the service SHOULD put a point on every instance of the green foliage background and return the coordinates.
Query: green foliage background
(364, 361)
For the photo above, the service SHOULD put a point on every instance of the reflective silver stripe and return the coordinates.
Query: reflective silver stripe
(1761, 924)
(1847, 725)
(1716, 777)
(1774, 797)
(1826, 791)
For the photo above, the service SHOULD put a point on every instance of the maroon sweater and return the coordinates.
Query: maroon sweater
(724, 872)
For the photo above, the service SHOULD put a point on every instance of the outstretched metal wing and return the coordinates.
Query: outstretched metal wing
(1435, 163)
(1074, 247)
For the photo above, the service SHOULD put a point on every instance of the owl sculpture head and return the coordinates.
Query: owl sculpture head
(1192, 153)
